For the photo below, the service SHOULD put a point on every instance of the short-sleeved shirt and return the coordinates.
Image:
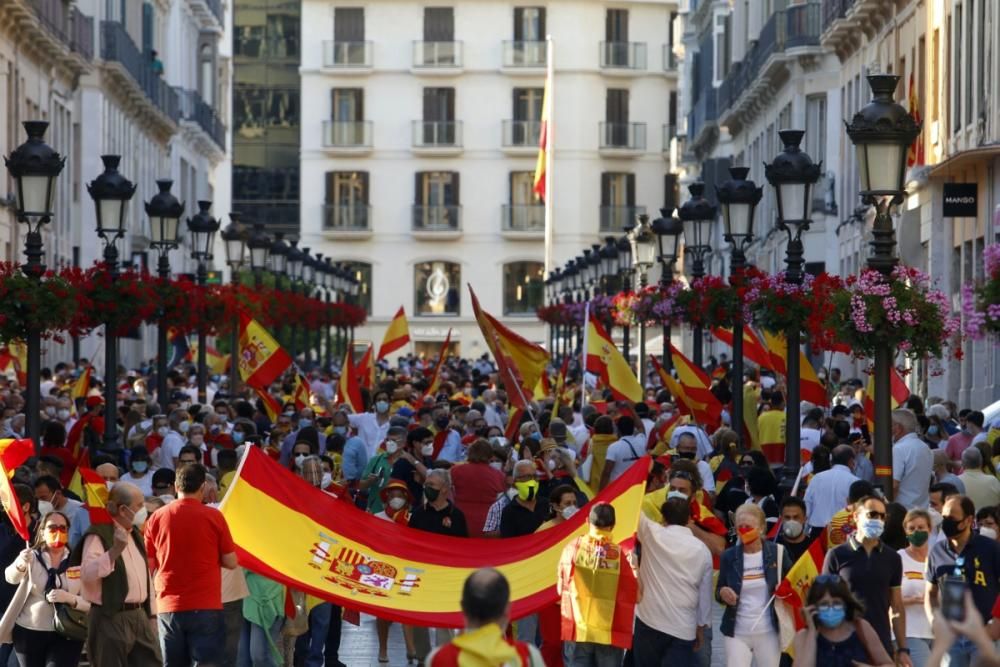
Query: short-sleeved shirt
(623, 453)
(448, 520)
(516, 520)
(185, 542)
(871, 577)
(913, 468)
(980, 564)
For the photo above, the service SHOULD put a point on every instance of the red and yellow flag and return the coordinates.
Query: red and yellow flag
(272, 407)
(76, 481)
(396, 336)
(95, 495)
(753, 349)
(605, 361)
(353, 559)
(697, 387)
(80, 387)
(216, 362)
(520, 362)
(810, 388)
(13, 453)
(366, 368)
(435, 383)
(348, 389)
(915, 154)
(300, 392)
(899, 392)
(543, 143)
(794, 588)
(262, 360)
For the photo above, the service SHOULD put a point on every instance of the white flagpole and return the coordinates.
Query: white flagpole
(583, 355)
(549, 150)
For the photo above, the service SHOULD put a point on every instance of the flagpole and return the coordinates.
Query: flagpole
(583, 354)
(549, 151)
(520, 392)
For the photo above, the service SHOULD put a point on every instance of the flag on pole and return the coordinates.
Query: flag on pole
(216, 362)
(541, 163)
(521, 363)
(604, 360)
(435, 383)
(13, 453)
(396, 336)
(300, 392)
(272, 407)
(915, 154)
(80, 388)
(348, 389)
(898, 392)
(262, 360)
(810, 388)
(318, 544)
(697, 387)
(365, 369)
(95, 495)
(793, 590)
(753, 349)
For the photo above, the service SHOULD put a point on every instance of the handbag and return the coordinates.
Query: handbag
(69, 622)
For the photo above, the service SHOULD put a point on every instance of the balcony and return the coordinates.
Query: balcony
(347, 221)
(524, 55)
(790, 33)
(437, 57)
(348, 137)
(432, 137)
(623, 57)
(60, 35)
(622, 139)
(348, 57)
(195, 112)
(521, 137)
(523, 220)
(669, 133)
(614, 218)
(842, 20)
(277, 214)
(437, 222)
(669, 59)
(134, 72)
(209, 14)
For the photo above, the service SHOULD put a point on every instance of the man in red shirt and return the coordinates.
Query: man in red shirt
(186, 542)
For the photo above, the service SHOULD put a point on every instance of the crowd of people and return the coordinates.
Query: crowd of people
(911, 581)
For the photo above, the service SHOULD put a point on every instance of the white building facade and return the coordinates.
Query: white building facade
(419, 138)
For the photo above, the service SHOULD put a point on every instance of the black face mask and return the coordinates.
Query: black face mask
(431, 494)
(950, 527)
(686, 455)
(441, 422)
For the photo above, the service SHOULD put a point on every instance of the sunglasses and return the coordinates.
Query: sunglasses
(827, 579)
(872, 514)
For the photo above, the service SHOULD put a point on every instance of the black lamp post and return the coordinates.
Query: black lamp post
(609, 265)
(353, 290)
(698, 216)
(34, 167)
(295, 261)
(234, 238)
(111, 193)
(330, 271)
(625, 279)
(668, 230)
(644, 246)
(793, 174)
(260, 247)
(164, 212)
(203, 228)
(738, 197)
(339, 288)
(571, 274)
(549, 286)
(881, 132)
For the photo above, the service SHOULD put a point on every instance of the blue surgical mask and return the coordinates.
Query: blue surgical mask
(342, 430)
(831, 617)
(382, 406)
(238, 437)
(932, 430)
(140, 466)
(871, 528)
(303, 423)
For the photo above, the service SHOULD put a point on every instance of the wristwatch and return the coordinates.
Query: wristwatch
(903, 650)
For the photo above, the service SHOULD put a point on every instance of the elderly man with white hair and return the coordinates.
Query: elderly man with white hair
(912, 462)
(983, 488)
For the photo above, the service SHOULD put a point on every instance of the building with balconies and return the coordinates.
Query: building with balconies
(419, 137)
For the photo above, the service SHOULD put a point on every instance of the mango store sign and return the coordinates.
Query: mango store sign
(960, 200)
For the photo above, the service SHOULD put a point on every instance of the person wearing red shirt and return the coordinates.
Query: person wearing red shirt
(186, 542)
(477, 485)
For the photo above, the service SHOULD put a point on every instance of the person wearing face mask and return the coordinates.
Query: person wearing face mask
(793, 534)
(748, 575)
(827, 491)
(379, 469)
(396, 502)
(477, 485)
(139, 472)
(874, 572)
(628, 449)
(43, 576)
(306, 431)
(687, 448)
(980, 486)
(986, 520)
(760, 488)
(562, 504)
(836, 631)
(520, 517)
(447, 440)
(372, 427)
(917, 526)
(51, 496)
(178, 423)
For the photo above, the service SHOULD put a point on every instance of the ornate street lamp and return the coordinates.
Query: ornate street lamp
(698, 216)
(34, 167)
(164, 212)
(882, 132)
(739, 198)
(669, 231)
(111, 193)
(793, 174)
(279, 257)
(643, 242)
(625, 279)
(203, 228)
(234, 238)
(609, 264)
(295, 261)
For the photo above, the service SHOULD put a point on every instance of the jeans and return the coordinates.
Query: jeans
(652, 648)
(760, 649)
(527, 629)
(704, 652)
(321, 645)
(920, 650)
(193, 638)
(588, 654)
(232, 616)
(960, 654)
(256, 646)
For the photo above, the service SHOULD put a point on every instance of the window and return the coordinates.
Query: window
(206, 74)
(616, 114)
(527, 126)
(815, 147)
(523, 287)
(348, 24)
(439, 24)
(956, 66)
(785, 118)
(617, 200)
(524, 212)
(346, 200)
(936, 75)
(439, 127)
(436, 201)
(529, 24)
(437, 288)
(720, 35)
(362, 272)
(148, 34)
(616, 25)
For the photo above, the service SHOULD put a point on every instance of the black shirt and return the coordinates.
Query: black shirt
(794, 549)
(980, 566)
(871, 578)
(517, 520)
(447, 521)
(405, 471)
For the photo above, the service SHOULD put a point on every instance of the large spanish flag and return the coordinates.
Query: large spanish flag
(262, 360)
(794, 588)
(520, 362)
(697, 387)
(605, 361)
(291, 532)
(543, 142)
(810, 388)
(396, 336)
(14, 453)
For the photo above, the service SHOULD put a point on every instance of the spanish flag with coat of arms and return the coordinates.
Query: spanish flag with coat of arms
(605, 361)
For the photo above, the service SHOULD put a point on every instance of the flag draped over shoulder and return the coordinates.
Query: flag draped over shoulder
(396, 336)
(520, 362)
(262, 360)
(13, 453)
(605, 361)
(288, 531)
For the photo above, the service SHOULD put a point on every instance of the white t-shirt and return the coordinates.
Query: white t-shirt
(623, 453)
(144, 483)
(753, 597)
(809, 438)
(914, 583)
(170, 449)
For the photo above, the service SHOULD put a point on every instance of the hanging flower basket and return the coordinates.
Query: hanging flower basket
(900, 311)
(122, 304)
(774, 304)
(981, 303)
(47, 305)
(710, 302)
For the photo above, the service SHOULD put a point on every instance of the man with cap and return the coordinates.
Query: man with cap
(397, 500)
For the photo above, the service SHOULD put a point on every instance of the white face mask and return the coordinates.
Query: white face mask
(109, 484)
(50, 410)
(568, 512)
(391, 447)
(551, 464)
(63, 414)
(184, 426)
(299, 459)
(988, 532)
(496, 465)
(140, 517)
(44, 507)
(397, 503)
(427, 450)
(326, 481)
(162, 431)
